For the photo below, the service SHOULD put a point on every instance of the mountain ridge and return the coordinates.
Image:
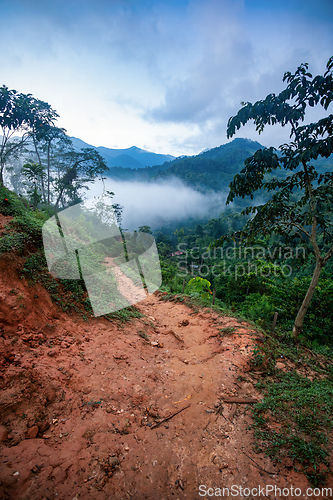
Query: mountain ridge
(211, 169)
(132, 157)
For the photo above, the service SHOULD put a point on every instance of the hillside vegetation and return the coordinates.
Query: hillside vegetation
(270, 265)
(292, 423)
(212, 170)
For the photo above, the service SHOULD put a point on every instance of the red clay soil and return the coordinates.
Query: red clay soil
(83, 402)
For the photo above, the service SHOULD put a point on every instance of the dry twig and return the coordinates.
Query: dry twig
(169, 417)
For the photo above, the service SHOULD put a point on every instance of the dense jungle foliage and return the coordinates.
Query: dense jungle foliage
(255, 281)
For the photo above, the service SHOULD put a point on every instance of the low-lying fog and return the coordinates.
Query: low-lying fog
(155, 203)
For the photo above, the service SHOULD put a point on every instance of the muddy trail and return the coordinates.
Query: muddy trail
(148, 409)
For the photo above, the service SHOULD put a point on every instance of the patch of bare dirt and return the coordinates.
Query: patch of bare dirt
(99, 410)
(4, 219)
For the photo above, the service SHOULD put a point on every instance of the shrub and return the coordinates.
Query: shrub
(31, 224)
(11, 203)
(76, 287)
(34, 263)
(259, 308)
(288, 295)
(13, 242)
(199, 287)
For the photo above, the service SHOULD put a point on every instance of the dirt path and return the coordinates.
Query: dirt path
(81, 400)
(128, 290)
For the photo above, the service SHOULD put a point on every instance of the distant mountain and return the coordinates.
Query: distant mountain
(212, 169)
(128, 158)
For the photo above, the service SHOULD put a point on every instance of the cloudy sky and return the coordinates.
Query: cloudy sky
(163, 75)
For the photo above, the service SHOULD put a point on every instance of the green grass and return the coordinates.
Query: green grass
(125, 315)
(143, 335)
(295, 420)
(227, 330)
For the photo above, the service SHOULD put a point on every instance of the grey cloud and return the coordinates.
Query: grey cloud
(202, 56)
(240, 59)
(208, 103)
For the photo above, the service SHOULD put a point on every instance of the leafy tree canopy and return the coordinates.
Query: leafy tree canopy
(301, 202)
(20, 112)
(80, 168)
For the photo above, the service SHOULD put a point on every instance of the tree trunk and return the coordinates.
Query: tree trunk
(40, 163)
(48, 172)
(2, 159)
(2, 168)
(59, 198)
(298, 325)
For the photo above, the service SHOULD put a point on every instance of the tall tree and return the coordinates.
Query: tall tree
(301, 201)
(66, 171)
(20, 113)
(50, 144)
(34, 173)
(78, 169)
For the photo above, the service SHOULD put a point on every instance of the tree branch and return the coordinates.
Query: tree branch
(328, 255)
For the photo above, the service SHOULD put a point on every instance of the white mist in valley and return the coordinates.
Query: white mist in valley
(156, 203)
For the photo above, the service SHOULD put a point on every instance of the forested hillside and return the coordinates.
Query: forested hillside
(212, 170)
